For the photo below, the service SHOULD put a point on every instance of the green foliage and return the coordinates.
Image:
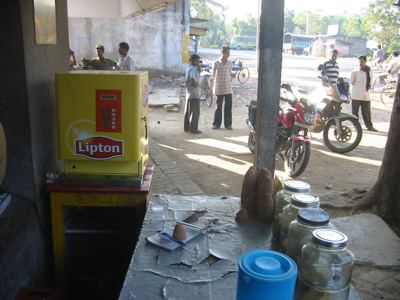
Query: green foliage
(247, 27)
(200, 9)
(217, 36)
(311, 23)
(382, 22)
(354, 26)
(289, 21)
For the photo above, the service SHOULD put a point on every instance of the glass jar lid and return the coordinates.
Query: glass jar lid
(296, 186)
(304, 200)
(329, 238)
(313, 216)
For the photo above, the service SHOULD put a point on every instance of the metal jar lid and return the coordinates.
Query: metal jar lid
(296, 186)
(329, 238)
(304, 200)
(313, 216)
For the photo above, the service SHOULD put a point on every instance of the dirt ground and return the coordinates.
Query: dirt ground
(217, 159)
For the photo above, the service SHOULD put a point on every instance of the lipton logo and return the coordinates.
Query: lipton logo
(99, 147)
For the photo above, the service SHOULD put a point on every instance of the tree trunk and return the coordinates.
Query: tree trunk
(384, 197)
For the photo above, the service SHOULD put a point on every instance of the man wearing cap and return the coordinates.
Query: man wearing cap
(192, 83)
(99, 63)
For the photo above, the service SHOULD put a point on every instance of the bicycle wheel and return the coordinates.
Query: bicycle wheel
(182, 97)
(243, 75)
(206, 92)
(387, 94)
(208, 97)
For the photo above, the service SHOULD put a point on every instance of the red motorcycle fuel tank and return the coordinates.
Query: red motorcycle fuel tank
(287, 117)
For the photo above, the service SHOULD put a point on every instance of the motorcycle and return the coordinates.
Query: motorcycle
(342, 132)
(292, 143)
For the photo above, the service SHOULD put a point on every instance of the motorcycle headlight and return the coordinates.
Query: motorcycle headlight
(309, 117)
(344, 98)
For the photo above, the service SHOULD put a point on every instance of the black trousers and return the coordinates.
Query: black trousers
(192, 115)
(227, 110)
(365, 111)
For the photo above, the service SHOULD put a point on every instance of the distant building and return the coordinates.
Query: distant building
(196, 32)
(296, 43)
(347, 46)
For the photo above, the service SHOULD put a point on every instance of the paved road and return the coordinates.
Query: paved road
(296, 69)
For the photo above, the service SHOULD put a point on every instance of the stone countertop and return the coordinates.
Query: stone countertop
(206, 267)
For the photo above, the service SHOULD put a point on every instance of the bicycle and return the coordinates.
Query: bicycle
(242, 74)
(385, 85)
(206, 95)
(388, 90)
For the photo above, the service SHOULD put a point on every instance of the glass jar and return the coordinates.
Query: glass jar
(297, 202)
(326, 267)
(300, 230)
(290, 187)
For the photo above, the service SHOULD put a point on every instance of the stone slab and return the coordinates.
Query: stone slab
(164, 97)
(370, 239)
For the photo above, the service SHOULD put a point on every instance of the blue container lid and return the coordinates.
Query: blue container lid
(313, 216)
(267, 265)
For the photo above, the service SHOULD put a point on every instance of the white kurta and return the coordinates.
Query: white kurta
(126, 63)
(358, 81)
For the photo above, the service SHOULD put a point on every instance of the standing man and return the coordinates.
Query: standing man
(222, 88)
(192, 108)
(99, 63)
(394, 63)
(125, 62)
(379, 55)
(360, 81)
(332, 68)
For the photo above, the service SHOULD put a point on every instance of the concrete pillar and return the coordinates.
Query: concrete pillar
(186, 31)
(269, 80)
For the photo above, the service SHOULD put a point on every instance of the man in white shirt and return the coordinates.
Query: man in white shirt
(222, 88)
(125, 62)
(360, 81)
(394, 64)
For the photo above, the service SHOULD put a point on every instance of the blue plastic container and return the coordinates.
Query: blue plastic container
(266, 274)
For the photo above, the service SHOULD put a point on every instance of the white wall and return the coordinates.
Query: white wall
(94, 8)
(155, 39)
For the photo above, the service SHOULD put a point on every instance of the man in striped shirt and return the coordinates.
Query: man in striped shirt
(222, 88)
(332, 68)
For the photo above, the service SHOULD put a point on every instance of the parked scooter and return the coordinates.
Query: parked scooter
(292, 143)
(342, 132)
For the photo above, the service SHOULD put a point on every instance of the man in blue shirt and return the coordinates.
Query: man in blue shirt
(192, 83)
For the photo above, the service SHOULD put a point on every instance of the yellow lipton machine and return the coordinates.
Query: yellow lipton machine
(102, 123)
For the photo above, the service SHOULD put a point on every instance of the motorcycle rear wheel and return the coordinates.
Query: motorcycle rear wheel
(251, 142)
(297, 163)
(344, 143)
